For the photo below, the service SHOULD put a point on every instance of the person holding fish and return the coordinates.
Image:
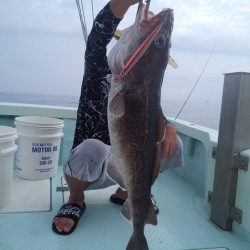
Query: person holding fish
(90, 164)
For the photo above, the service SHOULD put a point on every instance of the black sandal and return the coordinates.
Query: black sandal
(116, 200)
(72, 211)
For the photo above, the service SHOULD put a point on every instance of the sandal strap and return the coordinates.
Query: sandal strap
(71, 210)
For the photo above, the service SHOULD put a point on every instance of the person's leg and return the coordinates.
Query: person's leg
(76, 188)
(84, 166)
(120, 195)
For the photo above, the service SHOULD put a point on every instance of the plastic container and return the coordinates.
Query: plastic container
(7, 149)
(39, 140)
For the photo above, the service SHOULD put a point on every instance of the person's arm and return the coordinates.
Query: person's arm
(100, 35)
(102, 32)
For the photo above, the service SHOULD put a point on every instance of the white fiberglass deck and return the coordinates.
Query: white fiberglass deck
(182, 223)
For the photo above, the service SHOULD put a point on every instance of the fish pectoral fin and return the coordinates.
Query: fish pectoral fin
(151, 217)
(116, 106)
(126, 210)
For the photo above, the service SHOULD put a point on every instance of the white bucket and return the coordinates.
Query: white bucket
(39, 140)
(7, 149)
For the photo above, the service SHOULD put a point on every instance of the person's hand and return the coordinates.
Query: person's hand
(131, 2)
(120, 7)
(169, 143)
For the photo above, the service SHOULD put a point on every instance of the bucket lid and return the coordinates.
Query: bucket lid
(7, 133)
(39, 121)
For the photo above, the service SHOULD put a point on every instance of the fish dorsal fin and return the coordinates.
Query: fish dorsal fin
(151, 217)
(125, 211)
(116, 106)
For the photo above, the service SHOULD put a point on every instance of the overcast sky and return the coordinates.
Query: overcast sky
(42, 46)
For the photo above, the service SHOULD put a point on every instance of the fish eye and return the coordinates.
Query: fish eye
(160, 41)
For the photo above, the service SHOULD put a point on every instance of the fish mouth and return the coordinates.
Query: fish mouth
(150, 25)
(148, 20)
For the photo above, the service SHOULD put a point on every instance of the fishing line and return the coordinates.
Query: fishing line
(196, 81)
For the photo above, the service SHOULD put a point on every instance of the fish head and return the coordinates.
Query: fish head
(143, 47)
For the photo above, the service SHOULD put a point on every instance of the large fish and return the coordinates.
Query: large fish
(136, 123)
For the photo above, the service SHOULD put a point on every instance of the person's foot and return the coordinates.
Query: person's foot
(65, 222)
(120, 196)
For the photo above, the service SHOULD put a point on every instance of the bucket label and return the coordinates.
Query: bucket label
(45, 160)
(37, 159)
(43, 148)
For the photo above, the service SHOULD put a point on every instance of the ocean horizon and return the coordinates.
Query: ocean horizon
(202, 112)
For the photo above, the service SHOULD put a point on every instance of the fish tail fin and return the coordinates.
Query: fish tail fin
(137, 244)
(151, 217)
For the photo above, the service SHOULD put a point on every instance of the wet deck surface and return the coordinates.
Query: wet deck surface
(182, 223)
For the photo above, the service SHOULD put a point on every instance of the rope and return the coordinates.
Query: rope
(82, 20)
(92, 7)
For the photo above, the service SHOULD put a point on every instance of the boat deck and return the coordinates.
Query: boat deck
(183, 222)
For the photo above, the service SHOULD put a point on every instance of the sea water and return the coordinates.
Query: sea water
(205, 112)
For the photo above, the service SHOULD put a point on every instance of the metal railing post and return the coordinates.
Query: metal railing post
(234, 137)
